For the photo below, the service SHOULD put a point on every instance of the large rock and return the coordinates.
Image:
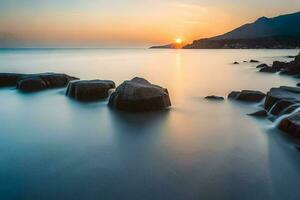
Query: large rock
(291, 125)
(279, 99)
(139, 95)
(89, 90)
(9, 79)
(247, 95)
(37, 82)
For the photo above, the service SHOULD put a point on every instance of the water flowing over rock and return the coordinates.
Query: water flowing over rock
(247, 95)
(89, 90)
(291, 125)
(139, 95)
(37, 82)
(283, 96)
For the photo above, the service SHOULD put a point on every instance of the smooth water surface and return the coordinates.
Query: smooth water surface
(55, 148)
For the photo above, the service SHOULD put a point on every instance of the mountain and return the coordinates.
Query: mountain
(274, 33)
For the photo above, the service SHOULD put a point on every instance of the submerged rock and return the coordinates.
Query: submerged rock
(268, 69)
(213, 97)
(139, 95)
(9, 79)
(37, 82)
(247, 95)
(89, 90)
(261, 113)
(291, 125)
(262, 65)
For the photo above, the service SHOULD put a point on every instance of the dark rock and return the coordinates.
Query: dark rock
(247, 95)
(291, 56)
(90, 90)
(268, 69)
(233, 95)
(9, 79)
(213, 97)
(138, 95)
(245, 61)
(298, 84)
(283, 96)
(291, 125)
(236, 63)
(37, 82)
(261, 113)
(278, 65)
(254, 61)
(281, 106)
(262, 65)
(293, 67)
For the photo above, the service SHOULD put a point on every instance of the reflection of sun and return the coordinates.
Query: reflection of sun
(178, 41)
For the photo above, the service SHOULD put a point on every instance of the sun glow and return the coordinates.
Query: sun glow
(178, 41)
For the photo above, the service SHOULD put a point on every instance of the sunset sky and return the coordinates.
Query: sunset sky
(126, 23)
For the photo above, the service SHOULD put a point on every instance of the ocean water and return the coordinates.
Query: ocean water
(52, 147)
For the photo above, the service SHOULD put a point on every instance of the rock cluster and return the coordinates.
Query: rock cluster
(289, 68)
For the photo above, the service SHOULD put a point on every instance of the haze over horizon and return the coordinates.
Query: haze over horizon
(127, 23)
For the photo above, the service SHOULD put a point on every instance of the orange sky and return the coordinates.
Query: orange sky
(128, 22)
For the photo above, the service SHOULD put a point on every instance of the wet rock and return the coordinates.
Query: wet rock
(37, 82)
(139, 95)
(278, 65)
(260, 113)
(213, 97)
(293, 67)
(283, 96)
(298, 84)
(89, 90)
(9, 79)
(247, 95)
(236, 63)
(291, 125)
(268, 69)
(254, 61)
(262, 65)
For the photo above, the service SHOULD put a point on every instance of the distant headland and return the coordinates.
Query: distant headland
(282, 32)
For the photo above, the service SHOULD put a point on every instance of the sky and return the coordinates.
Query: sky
(126, 23)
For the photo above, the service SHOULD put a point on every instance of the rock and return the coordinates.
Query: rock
(245, 61)
(138, 95)
(37, 82)
(236, 63)
(280, 99)
(278, 65)
(89, 90)
(254, 61)
(213, 97)
(293, 67)
(291, 56)
(261, 113)
(262, 65)
(298, 84)
(291, 125)
(9, 79)
(268, 69)
(247, 95)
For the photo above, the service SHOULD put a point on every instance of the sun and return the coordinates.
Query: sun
(178, 41)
